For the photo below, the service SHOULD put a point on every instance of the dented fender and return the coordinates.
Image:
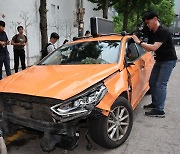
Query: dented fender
(116, 85)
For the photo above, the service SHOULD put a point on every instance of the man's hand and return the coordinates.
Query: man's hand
(23, 44)
(3, 44)
(18, 44)
(136, 39)
(8, 42)
(150, 47)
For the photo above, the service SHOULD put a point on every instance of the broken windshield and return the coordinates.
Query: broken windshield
(94, 52)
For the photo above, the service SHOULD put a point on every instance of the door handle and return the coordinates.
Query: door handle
(142, 64)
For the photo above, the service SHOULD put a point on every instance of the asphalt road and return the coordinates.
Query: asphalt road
(148, 136)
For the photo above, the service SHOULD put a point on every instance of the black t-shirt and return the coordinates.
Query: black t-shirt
(166, 52)
(4, 38)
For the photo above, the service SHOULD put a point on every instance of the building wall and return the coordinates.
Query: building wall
(16, 13)
(176, 23)
(177, 7)
(61, 19)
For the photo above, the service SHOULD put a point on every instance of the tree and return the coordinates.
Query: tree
(125, 7)
(43, 23)
(130, 14)
(142, 6)
(118, 23)
(104, 5)
(131, 9)
(165, 11)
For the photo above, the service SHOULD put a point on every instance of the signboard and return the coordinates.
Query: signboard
(101, 26)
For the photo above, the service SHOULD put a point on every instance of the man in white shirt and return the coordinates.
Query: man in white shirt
(50, 45)
(53, 39)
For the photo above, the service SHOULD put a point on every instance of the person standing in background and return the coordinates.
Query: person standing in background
(18, 42)
(53, 39)
(87, 33)
(4, 54)
(50, 47)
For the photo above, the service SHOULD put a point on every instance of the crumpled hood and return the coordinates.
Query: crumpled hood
(60, 82)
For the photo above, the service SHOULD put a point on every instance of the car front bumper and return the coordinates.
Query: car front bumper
(18, 111)
(43, 126)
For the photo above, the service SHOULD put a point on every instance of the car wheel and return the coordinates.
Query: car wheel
(113, 130)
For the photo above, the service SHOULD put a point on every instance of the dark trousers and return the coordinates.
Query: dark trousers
(19, 54)
(160, 75)
(5, 59)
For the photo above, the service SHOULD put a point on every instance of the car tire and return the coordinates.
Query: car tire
(113, 130)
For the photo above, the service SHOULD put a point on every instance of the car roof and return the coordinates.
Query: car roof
(98, 38)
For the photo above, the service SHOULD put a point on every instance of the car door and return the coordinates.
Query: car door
(134, 70)
(146, 64)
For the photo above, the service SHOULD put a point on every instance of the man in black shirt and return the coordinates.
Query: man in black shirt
(4, 54)
(165, 62)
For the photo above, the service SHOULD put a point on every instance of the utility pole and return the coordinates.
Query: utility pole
(80, 16)
(43, 22)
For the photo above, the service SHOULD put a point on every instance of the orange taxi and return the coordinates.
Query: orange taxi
(99, 81)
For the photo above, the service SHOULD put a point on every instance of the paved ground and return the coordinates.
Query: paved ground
(148, 136)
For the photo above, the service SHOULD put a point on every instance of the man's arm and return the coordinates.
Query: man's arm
(4, 44)
(26, 42)
(13, 43)
(151, 47)
(5, 41)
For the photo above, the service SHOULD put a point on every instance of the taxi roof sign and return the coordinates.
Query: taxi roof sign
(101, 26)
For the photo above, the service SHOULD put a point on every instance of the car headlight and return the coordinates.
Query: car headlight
(80, 105)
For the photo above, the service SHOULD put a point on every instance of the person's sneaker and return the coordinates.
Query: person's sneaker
(149, 106)
(155, 113)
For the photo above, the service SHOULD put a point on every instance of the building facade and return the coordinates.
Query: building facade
(176, 23)
(61, 15)
(177, 6)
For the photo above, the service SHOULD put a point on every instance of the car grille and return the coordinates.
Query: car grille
(28, 106)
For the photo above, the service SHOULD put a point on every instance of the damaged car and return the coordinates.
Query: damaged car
(97, 80)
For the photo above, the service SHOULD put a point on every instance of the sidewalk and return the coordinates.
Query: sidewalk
(4, 73)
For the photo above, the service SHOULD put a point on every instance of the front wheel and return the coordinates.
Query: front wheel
(113, 130)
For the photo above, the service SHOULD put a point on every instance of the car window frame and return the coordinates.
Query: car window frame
(136, 50)
(140, 55)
